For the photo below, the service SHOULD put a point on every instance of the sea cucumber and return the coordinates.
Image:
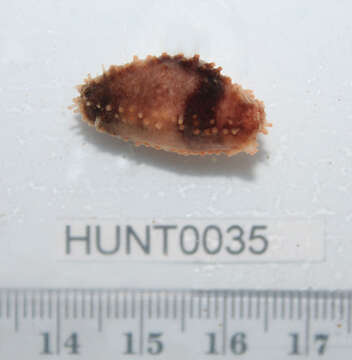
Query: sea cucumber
(173, 103)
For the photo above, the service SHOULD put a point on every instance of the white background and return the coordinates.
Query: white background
(295, 55)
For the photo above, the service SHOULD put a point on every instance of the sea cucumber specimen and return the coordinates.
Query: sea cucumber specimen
(173, 103)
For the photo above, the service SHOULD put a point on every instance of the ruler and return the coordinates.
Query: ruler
(174, 324)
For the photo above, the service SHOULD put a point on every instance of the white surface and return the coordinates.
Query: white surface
(295, 55)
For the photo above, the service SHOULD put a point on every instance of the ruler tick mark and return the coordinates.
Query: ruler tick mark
(283, 305)
(325, 305)
(108, 305)
(75, 304)
(291, 300)
(349, 304)
(25, 305)
(133, 309)
(100, 313)
(141, 324)
(258, 302)
(16, 311)
(342, 308)
(166, 305)
(307, 324)
(316, 306)
(33, 304)
(41, 305)
(58, 323)
(200, 309)
(208, 305)
(116, 304)
(83, 304)
(8, 313)
(158, 305)
(50, 304)
(124, 309)
(224, 325)
(191, 306)
(183, 325)
(216, 300)
(150, 304)
(66, 305)
(249, 314)
(333, 306)
(241, 305)
(233, 305)
(299, 299)
(266, 312)
(91, 301)
(174, 307)
(274, 310)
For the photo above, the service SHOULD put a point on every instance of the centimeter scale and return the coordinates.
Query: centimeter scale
(175, 324)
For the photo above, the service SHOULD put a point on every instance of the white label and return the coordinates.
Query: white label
(190, 240)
